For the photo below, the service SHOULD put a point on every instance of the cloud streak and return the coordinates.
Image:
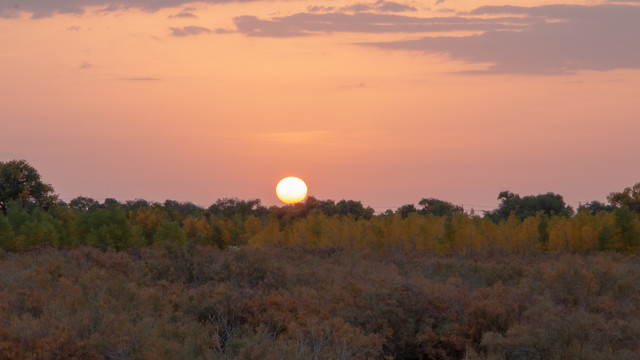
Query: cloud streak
(561, 39)
(304, 24)
(379, 6)
(189, 31)
(184, 14)
(550, 39)
(46, 8)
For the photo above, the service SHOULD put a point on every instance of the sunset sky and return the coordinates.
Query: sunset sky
(385, 102)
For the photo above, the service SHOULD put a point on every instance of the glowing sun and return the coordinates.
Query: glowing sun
(291, 190)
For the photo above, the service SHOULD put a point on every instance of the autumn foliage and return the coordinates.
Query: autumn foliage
(318, 280)
(320, 302)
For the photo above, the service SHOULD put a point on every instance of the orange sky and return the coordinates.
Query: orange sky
(384, 102)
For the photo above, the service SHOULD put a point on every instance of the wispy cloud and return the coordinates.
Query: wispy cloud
(561, 39)
(304, 24)
(390, 6)
(223, 31)
(549, 39)
(378, 6)
(46, 8)
(183, 14)
(189, 31)
(85, 65)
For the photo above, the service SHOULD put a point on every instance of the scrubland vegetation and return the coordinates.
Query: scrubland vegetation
(532, 279)
(303, 302)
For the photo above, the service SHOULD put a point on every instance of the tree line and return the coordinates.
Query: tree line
(33, 216)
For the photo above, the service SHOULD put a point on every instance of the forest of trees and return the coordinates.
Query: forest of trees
(33, 217)
(532, 279)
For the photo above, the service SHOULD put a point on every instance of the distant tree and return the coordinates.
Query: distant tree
(509, 203)
(107, 228)
(7, 235)
(595, 207)
(219, 235)
(111, 203)
(196, 227)
(543, 234)
(138, 204)
(437, 207)
(629, 197)
(21, 181)
(83, 203)
(42, 229)
(179, 210)
(626, 229)
(445, 241)
(148, 219)
(326, 207)
(228, 207)
(354, 209)
(169, 232)
(605, 237)
(407, 209)
(549, 203)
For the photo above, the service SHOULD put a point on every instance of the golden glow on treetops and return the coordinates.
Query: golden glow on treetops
(291, 190)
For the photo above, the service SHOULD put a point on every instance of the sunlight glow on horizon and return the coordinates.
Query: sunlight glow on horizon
(119, 104)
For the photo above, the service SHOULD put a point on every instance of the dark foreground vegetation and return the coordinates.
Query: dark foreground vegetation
(301, 302)
(532, 279)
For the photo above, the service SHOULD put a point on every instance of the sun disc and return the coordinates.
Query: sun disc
(291, 190)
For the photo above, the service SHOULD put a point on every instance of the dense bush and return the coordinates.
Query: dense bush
(300, 302)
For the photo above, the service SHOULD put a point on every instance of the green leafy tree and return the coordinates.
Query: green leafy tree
(594, 207)
(34, 227)
(7, 235)
(543, 234)
(82, 203)
(21, 181)
(626, 229)
(437, 207)
(448, 235)
(219, 235)
(629, 197)
(228, 207)
(17, 214)
(549, 203)
(107, 228)
(353, 208)
(169, 232)
(43, 229)
(605, 237)
(179, 210)
(406, 209)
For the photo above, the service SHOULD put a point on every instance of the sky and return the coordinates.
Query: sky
(385, 102)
